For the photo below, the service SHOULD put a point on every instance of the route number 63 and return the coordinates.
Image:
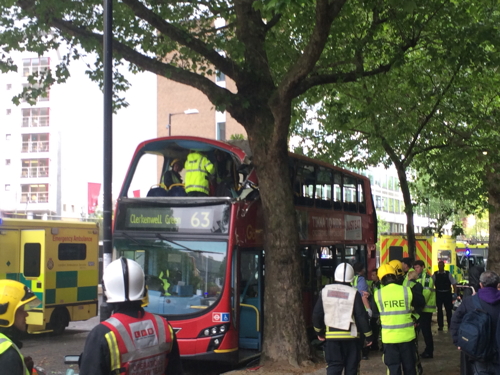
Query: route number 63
(200, 219)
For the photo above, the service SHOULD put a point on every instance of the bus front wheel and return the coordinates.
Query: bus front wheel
(59, 320)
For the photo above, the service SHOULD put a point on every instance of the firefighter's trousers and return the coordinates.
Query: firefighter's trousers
(400, 355)
(343, 354)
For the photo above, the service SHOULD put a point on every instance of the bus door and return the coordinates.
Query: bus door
(32, 250)
(251, 299)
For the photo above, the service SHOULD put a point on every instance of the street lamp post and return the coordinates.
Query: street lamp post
(191, 111)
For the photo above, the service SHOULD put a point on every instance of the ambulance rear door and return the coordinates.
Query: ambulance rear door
(32, 270)
(9, 254)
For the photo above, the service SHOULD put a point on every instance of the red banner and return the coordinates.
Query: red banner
(93, 196)
(137, 193)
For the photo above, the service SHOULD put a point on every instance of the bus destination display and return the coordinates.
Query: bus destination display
(207, 219)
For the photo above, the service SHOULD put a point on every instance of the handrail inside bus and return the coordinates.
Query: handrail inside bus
(256, 313)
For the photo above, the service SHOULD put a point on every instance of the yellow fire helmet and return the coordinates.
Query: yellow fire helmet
(398, 267)
(385, 269)
(13, 295)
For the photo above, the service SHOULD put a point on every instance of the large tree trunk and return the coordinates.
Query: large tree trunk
(285, 337)
(410, 229)
(494, 241)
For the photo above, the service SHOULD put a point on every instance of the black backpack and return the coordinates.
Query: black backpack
(474, 333)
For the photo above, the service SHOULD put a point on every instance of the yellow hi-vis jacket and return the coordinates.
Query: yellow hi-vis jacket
(5, 344)
(394, 304)
(429, 292)
(198, 168)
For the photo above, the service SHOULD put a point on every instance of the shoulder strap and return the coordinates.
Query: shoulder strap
(477, 303)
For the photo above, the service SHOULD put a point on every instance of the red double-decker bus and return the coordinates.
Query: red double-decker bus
(204, 257)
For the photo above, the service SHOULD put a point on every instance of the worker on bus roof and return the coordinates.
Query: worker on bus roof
(199, 172)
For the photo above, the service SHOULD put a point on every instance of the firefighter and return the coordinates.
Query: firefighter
(132, 339)
(395, 303)
(14, 297)
(339, 317)
(199, 170)
(430, 306)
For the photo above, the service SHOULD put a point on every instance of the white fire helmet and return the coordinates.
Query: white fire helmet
(344, 273)
(123, 281)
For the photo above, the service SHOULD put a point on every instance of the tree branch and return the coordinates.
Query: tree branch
(224, 64)
(432, 112)
(326, 12)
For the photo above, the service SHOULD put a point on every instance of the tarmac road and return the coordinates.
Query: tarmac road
(48, 351)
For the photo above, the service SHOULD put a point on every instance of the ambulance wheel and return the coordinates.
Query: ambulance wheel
(59, 320)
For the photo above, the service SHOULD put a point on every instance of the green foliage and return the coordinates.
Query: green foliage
(237, 137)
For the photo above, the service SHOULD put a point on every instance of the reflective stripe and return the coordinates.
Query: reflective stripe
(122, 331)
(5, 344)
(394, 326)
(114, 352)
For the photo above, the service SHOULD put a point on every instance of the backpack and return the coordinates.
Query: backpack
(474, 333)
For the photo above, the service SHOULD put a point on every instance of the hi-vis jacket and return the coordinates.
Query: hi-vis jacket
(429, 292)
(198, 168)
(6, 344)
(139, 345)
(324, 311)
(394, 303)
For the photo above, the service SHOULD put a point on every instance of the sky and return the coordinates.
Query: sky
(80, 113)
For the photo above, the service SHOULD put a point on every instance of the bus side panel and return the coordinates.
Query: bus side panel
(9, 254)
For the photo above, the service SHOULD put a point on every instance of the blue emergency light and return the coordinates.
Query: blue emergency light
(467, 251)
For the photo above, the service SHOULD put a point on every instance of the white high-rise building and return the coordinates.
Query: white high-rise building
(52, 150)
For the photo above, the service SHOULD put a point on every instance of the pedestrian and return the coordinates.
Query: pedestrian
(199, 171)
(339, 317)
(489, 299)
(359, 282)
(444, 282)
(131, 339)
(14, 298)
(425, 320)
(395, 303)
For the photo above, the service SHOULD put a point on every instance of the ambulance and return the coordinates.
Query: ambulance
(429, 249)
(58, 261)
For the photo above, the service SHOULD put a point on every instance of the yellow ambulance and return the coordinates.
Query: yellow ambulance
(429, 249)
(58, 261)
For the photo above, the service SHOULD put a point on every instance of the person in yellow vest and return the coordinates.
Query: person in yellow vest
(339, 317)
(394, 304)
(199, 171)
(14, 297)
(131, 340)
(173, 176)
(407, 264)
(430, 306)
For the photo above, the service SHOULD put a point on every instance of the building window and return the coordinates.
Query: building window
(219, 76)
(36, 65)
(35, 117)
(35, 142)
(34, 168)
(7, 137)
(35, 193)
(221, 131)
(7, 187)
(7, 161)
(64, 207)
(8, 111)
(9, 86)
(42, 98)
